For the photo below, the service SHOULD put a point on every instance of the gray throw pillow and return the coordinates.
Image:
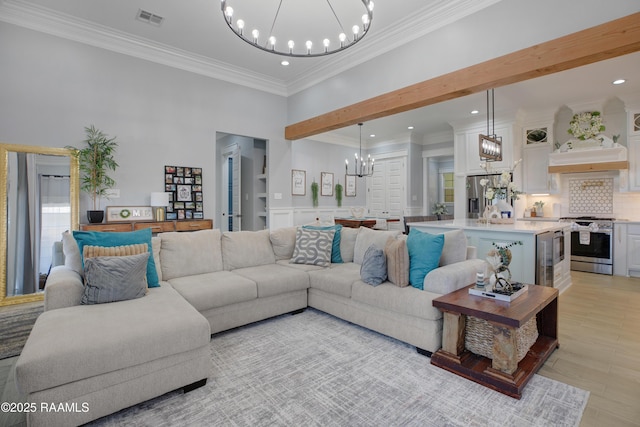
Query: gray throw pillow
(373, 269)
(313, 247)
(114, 278)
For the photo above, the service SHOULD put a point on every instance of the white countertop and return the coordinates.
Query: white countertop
(528, 227)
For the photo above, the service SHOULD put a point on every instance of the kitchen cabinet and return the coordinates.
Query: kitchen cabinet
(633, 250)
(467, 151)
(620, 249)
(633, 150)
(535, 165)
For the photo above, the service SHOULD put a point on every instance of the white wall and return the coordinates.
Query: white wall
(52, 88)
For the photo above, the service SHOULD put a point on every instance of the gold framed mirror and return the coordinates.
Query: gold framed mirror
(39, 199)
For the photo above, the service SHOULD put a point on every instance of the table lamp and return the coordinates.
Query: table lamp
(159, 201)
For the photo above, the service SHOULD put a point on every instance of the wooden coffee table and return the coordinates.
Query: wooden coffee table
(503, 373)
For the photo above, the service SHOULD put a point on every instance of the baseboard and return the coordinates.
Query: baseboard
(297, 311)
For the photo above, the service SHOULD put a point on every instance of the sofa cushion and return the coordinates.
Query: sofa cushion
(187, 254)
(387, 296)
(242, 249)
(74, 343)
(397, 261)
(336, 257)
(455, 247)
(283, 240)
(213, 290)
(373, 270)
(337, 279)
(275, 279)
(313, 247)
(156, 245)
(367, 237)
(424, 255)
(98, 238)
(301, 267)
(348, 237)
(115, 278)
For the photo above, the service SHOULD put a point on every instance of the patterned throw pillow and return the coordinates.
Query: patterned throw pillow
(373, 269)
(313, 247)
(115, 278)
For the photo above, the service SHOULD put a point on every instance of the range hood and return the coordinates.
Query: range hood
(593, 159)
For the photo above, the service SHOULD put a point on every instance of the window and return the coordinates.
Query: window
(446, 187)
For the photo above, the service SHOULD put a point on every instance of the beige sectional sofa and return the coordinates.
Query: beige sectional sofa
(106, 357)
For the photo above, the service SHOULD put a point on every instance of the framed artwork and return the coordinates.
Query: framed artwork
(184, 185)
(350, 186)
(129, 213)
(326, 184)
(298, 182)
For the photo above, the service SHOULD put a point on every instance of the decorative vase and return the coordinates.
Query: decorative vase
(504, 206)
(95, 217)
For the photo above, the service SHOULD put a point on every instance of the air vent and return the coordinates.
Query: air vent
(149, 18)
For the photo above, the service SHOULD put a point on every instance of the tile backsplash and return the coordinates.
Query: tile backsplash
(591, 196)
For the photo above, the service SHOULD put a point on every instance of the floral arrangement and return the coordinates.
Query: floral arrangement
(439, 209)
(586, 125)
(500, 187)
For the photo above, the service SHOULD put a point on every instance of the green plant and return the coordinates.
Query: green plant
(439, 209)
(314, 193)
(539, 204)
(95, 161)
(339, 194)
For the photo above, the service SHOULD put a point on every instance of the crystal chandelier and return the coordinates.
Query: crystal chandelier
(250, 33)
(361, 167)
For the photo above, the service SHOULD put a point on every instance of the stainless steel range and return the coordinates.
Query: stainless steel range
(591, 244)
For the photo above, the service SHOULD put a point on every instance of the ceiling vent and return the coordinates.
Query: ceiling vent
(149, 18)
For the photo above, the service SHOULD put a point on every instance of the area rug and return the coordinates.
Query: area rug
(313, 369)
(15, 325)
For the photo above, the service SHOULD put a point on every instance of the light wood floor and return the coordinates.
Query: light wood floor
(599, 334)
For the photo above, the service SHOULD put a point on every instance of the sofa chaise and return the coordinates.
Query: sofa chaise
(106, 357)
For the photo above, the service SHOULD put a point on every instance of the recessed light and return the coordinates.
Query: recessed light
(373, 135)
(410, 127)
(618, 81)
(475, 112)
(284, 63)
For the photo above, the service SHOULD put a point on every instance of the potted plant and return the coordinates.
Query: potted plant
(95, 161)
(539, 208)
(439, 209)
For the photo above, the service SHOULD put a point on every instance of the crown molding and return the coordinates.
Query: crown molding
(48, 21)
(61, 25)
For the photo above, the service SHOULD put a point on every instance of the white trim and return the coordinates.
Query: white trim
(280, 217)
(390, 155)
(438, 152)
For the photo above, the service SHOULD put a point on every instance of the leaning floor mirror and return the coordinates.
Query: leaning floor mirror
(39, 194)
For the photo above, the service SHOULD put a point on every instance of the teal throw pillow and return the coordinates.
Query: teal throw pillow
(336, 256)
(424, 255)
(108, 239)
(373, 269)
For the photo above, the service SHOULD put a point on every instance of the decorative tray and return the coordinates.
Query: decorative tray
(519, 289)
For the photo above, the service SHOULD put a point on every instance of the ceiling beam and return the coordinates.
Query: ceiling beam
(605, 41)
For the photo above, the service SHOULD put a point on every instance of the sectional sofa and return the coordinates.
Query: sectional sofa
(98, 359)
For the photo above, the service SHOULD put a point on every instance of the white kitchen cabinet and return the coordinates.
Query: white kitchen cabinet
(535, 169)
(633, 250)
(633, 150)
(620, 249)
(467, 152)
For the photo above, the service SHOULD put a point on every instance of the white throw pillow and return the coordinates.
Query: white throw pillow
(367, 237)
(455, 247)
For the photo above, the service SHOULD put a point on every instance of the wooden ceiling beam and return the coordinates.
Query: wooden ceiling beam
(605, 41)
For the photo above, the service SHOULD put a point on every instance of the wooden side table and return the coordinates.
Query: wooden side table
(503, 373)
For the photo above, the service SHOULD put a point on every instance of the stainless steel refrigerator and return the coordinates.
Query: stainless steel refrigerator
(475, 195)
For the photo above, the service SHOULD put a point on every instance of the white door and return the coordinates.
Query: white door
(386, 188)
(231, 215)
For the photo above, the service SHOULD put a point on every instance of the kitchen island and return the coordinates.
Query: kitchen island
(525, 259)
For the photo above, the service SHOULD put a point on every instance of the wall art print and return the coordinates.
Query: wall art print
(184, 185)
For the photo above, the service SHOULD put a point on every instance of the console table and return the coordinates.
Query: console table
(503, 373)
(354, 222)
(155, 226)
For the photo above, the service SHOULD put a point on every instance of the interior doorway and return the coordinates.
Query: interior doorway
(241, 199)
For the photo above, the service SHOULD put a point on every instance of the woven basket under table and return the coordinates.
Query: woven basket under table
(479, 337)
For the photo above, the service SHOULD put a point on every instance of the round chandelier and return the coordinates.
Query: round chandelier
(271, 35)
